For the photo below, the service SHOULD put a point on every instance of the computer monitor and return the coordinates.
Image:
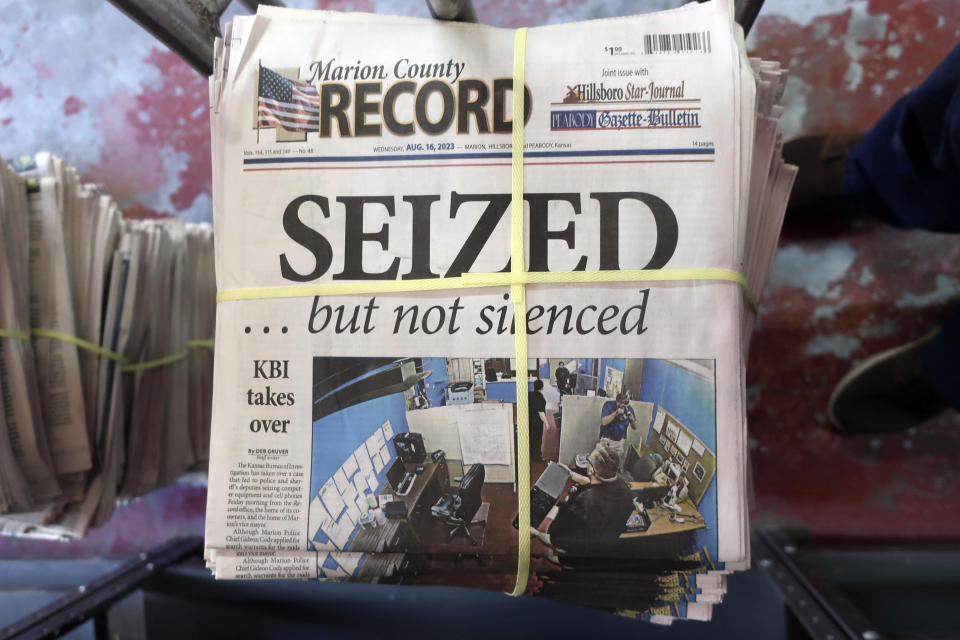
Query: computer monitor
(673, 471)
(409, 446)
(395, 473)
(651, 495)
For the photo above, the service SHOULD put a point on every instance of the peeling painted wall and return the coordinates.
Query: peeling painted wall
(851, 59)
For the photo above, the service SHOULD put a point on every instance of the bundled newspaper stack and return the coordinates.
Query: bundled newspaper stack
(101, 391)
(400, 227)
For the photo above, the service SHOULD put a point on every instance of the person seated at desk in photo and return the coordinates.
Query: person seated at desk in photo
(538, 419)
(615, 417)
(597, 510)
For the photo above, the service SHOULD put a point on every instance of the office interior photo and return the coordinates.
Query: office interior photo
(667, 450)
(415, 454)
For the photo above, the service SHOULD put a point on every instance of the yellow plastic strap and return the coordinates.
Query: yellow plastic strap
(200, 344)
(106, 353)
(636, 275)
(159, 362)
(80, 342)
(478, 280)
(518, 294)
(341, 288)
(14, 335)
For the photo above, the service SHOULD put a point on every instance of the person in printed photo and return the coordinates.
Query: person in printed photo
(616, 416)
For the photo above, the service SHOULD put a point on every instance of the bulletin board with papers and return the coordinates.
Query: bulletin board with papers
(485, 434)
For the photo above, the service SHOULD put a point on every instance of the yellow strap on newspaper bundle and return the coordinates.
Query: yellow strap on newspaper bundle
(159, 362)
(80, 342)
(14, 335)
(516, 279)
(125, 365)
(518, 294)
(481, 280)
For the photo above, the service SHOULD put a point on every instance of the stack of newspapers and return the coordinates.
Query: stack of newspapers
(379, 412)
(102, 394)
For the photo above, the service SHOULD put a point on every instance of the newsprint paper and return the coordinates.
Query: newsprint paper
(371, 436)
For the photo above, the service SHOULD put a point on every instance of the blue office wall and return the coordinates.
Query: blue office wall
(436, 382)
(505, 390)
(691, 400)
(584, 365)
(337, 436)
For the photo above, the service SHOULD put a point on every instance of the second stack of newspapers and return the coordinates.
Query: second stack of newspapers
(106, 327)
(366, 412)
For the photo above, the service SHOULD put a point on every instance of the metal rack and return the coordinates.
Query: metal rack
(797, 590)
(189, 27)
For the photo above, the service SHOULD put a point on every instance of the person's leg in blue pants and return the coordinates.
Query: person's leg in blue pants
(906, 171)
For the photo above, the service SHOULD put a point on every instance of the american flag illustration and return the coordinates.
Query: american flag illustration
(289, 104)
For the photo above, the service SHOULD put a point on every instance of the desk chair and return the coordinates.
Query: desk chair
(642, 468)
(457, 510)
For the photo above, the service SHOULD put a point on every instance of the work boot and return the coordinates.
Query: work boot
(818, 190)
(887, 392)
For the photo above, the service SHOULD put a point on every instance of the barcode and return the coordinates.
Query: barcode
(676, 42)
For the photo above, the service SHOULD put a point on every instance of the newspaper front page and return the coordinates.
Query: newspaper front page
(363, 149)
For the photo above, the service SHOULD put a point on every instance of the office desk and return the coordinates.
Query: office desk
(379, 567)
(426, 489)
(398, 534)
(660, 522)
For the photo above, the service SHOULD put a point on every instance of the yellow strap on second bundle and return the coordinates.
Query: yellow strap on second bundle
(86, 345)
(159, 362)
(14, 335)
(125, 365)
